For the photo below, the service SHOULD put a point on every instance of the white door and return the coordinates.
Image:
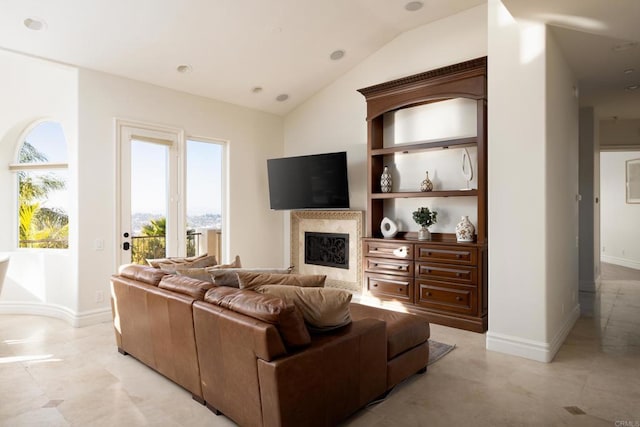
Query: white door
(149, 202)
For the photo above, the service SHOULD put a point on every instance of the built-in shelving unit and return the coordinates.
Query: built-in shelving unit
(441, 279)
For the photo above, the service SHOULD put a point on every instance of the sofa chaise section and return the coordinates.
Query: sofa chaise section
(251, 376)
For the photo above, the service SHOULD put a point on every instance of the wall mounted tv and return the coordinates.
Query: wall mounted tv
(309, 182)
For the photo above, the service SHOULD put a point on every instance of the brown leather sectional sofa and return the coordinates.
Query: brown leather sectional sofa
(248, 356)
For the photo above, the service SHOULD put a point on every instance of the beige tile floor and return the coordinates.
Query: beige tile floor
(54, 375)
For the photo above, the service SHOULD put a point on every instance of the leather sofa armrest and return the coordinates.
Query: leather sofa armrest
(337, 375)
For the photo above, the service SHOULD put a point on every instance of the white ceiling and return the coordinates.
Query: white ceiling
(233, 46)
(283, 46)
(587, 31)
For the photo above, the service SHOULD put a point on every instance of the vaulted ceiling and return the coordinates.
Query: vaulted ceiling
(250, 52)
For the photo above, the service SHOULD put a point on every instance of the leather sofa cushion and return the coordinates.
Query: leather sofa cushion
(322, 308)
(250, 280)
(186, 285)
(286, 317)
(404, 330)
(142, 273)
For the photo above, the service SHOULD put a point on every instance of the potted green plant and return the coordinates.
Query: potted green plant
(425, 218)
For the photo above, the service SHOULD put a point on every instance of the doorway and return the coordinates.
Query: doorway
(150, 221)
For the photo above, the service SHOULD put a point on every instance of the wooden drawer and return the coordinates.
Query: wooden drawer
(397, 250)
(390, 287)
(455, 273)
(447, 297)
(398, 267)
(448, 254)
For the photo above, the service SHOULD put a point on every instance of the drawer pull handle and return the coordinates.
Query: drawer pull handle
(375, 285)
(400, 267)
(401, 290)
(458, 274)
(458, 298)
(458, 256)
(428, 294)
(375, 264)
(428, 253)
(427, 270)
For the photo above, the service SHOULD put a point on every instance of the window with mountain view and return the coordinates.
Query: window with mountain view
(41, 170)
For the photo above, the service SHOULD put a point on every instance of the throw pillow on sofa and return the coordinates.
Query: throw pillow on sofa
(235, 264)
(207, 261)
(322, 308)
(195, 273)
(229, 276)
(250, 280)
(155, 263)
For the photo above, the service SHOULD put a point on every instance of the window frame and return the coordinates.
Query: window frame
(16, 167)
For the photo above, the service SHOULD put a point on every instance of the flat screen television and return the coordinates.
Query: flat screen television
(317, 181)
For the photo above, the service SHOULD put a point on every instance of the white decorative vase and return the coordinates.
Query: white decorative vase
(424, 234)
(465, 230)
(426, 185)
(388, 228)
(385, 181)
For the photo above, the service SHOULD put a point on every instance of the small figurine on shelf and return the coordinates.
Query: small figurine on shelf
(388, 228)
(385, 180)
(425, 218)
(426, 185)
(467, 168)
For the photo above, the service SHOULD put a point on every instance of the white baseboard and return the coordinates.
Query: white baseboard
(77, 320)
(530, 349)
(624, 262)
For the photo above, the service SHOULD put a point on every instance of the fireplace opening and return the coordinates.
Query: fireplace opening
(327, 249)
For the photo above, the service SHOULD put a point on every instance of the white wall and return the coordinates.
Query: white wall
(527, 222)
(562, 119)
(254, 230)
(619, 222)
(335, 118)
(65, 283)
(620, 133)
(32, 90)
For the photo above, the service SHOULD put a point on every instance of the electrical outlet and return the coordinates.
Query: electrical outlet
(98, 244)
(99, 296)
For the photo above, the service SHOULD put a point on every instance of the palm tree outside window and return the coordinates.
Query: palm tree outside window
(41, 170)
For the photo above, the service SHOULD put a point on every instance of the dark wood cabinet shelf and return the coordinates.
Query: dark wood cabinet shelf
(440, 279)
(412, 194)
(419, 146)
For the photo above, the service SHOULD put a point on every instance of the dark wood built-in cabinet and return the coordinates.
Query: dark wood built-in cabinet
(441, 279)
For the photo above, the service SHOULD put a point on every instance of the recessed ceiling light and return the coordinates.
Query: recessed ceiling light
(624, 46)
(629, 70)
(282, 97)
(184, 68)
(35, 24)
(256, 89)
(412, 6)
(632, 87)
(337, 54)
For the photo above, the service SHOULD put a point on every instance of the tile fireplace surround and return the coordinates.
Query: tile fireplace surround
(346, 222)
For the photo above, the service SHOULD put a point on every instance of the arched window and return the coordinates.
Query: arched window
(41, 169)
